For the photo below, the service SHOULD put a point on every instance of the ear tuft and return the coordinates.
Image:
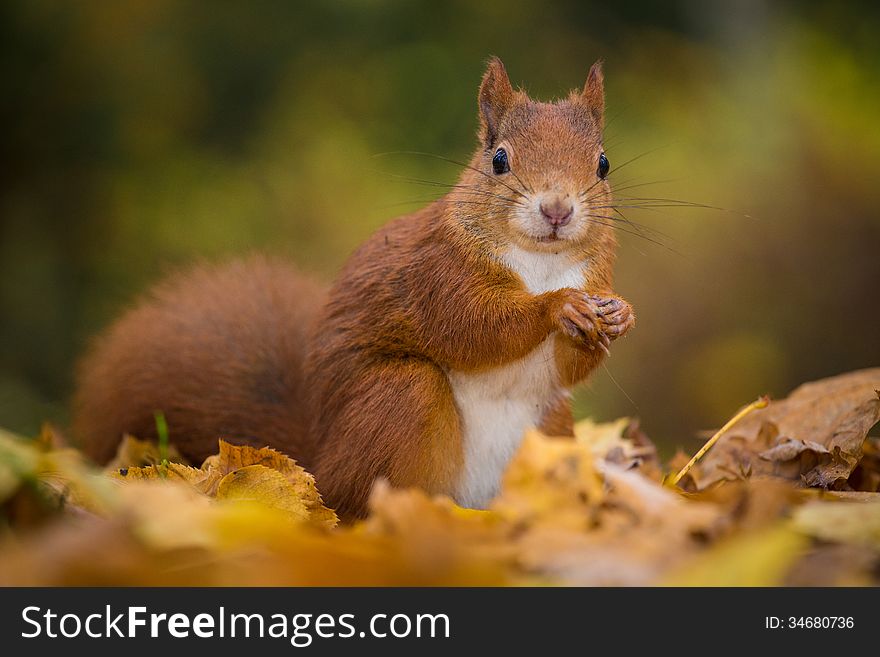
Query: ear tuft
(594, 92)
(495, 99)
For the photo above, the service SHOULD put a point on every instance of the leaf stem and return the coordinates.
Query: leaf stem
(761, 402)
(162, 433)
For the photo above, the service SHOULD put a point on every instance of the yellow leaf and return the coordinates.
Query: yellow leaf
(168, 514)
(601, 437)
(133, 452)
(265, 486)
(234, 457)
(169, 471)
(753, 559)
(63, 473)
(550, 479)
(262, 475)
(172, 515)
(841, 522)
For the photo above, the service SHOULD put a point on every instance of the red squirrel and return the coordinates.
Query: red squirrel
(446, 336)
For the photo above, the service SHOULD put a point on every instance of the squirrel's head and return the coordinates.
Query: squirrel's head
(538, 177)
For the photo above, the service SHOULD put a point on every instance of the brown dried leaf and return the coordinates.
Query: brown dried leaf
(866, 475)
(751, 504)
(814, 436)
(622, 442)
(834, 564)
(788, 449)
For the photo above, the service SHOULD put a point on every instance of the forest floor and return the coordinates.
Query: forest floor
(786, 495)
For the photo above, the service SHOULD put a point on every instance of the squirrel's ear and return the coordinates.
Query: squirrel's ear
(495, 98)
(594, 93)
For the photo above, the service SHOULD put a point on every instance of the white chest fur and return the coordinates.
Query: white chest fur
(544, 272)
(498, 406)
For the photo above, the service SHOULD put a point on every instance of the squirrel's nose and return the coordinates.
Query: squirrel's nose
(557, 211)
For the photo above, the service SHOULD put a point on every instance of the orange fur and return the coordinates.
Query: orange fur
(219, 350)
(558, 420)
(357, 387)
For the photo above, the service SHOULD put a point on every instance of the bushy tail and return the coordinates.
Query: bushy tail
(219, 350)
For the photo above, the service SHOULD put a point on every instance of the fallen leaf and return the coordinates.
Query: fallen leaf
(853, 522)
(242, 472)
(816, 435)
(588, 522)
(586, 511)
(133, 452)
(266, 486)
(753, 559)
(791, 448)
(48, 481)
(866, 475)
(233, 457)
(550, 478)
(169, 471)
(168, 514)
(751, 504)
(834, 565)
(621, 442)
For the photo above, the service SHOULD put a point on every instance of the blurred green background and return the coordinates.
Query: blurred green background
(141, 135)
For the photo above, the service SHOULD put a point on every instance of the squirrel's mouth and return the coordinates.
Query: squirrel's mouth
(552, 236)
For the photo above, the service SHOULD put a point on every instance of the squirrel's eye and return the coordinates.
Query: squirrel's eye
(499, 162)
(604, 166)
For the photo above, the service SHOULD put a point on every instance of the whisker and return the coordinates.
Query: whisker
(466, 202)
(457, 163)
(595, 219)
(525, 187)
(635, 159)
(420, 181)
(646, 205)
(636, 225)
(512, 201)
(642, 253)
(619, 387)
(643, 227)
(649, 208)
(626, 186)
(616, 226)
(434, 199)
(673, 202)
(414, 201)
(614, 170)
(468, 189)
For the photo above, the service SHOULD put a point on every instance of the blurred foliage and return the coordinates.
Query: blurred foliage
(142, 135)
(595, 510)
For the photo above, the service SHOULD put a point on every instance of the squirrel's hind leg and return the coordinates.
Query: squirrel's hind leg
(404, 428)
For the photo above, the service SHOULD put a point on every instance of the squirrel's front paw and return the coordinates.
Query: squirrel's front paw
(576, 315)
(615, 316)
